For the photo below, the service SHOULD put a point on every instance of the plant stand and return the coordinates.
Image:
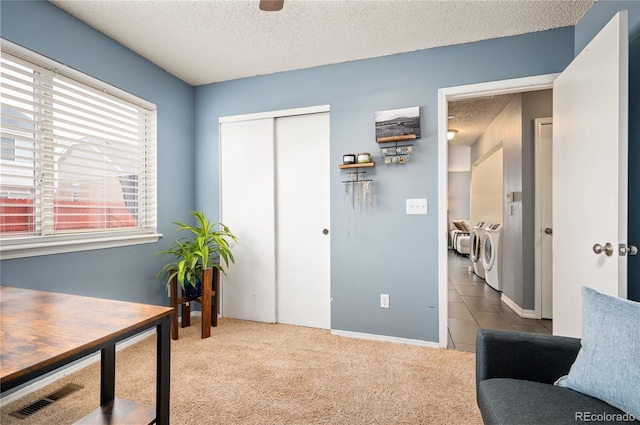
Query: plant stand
(208, 300)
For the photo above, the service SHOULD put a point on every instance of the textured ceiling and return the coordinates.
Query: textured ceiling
(471, 117)
(205, 41)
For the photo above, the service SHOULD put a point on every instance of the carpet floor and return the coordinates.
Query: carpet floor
(257, 373)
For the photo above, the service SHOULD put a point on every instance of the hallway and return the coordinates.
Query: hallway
(473, 305)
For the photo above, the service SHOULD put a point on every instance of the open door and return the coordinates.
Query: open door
(590, 108)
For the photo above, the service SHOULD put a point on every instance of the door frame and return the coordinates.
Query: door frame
(538, 123)
(257, 116)
(445, 95)
(274, 114)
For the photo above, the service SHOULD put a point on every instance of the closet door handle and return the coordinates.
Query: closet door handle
(325, 231)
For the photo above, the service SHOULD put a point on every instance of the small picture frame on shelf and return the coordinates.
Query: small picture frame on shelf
(397, 124)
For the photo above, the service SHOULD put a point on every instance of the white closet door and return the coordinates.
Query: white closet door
(302, 217)
(247, 207)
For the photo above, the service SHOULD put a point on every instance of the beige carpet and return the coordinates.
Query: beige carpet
(256, 373)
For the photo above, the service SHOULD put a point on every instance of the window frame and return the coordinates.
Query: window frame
(36, 245)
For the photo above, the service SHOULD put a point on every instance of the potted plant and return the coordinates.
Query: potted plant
(206, 246)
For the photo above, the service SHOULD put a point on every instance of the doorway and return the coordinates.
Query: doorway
(500, 195)
(445, 96)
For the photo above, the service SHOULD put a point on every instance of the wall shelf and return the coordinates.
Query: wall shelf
(361, 165)
(396, 138)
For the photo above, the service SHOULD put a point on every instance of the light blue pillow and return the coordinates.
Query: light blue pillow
(608, 363)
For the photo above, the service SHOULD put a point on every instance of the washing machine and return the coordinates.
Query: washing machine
(492, 255)
(476, 248)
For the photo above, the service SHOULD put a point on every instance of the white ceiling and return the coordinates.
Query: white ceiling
(472, 117)
(205, 41)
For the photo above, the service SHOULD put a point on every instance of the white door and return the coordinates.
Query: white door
(544, 218)
(302, 217)
(274, 196)
(247, 199)
(590, 101)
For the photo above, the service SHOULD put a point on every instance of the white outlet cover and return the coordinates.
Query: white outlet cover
(384, 300)
(417, 206)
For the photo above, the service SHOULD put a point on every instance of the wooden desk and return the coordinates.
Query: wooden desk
(42, 331)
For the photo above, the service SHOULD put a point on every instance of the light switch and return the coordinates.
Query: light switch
(417, 206)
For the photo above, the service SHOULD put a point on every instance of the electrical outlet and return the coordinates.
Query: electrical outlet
(384, 300)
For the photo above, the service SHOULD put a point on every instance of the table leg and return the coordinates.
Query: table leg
(186, 313)
(173, 288)
(107, 375)
(214, 307)
(207, 278)
(163, 371)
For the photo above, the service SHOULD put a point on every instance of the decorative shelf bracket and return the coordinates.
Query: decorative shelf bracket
(355, 177)
(395, 153)
(358, 189)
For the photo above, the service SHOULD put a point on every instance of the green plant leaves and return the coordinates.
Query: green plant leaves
(196, 252)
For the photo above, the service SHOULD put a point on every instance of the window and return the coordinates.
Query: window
(78, 164)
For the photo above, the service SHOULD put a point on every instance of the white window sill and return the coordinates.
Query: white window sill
(33, 249)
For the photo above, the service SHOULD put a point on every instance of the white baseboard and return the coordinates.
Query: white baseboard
(524, 313)
(78, 365)
(374, 337)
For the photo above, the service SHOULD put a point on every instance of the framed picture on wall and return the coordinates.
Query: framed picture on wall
(398, 124)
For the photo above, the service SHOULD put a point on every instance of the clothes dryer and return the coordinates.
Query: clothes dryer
(476, 248)
(492, 255)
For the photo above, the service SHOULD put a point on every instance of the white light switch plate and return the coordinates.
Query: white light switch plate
(417, 206)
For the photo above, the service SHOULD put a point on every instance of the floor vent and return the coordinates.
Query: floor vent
(29, 410)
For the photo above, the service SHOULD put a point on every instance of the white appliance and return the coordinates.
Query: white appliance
(476, 248)
(492, 255)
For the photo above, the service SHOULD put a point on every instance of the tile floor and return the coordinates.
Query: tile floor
(473, 304)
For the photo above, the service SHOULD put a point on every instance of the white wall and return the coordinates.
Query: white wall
(486, 189)
(459, 196)
(459, 158)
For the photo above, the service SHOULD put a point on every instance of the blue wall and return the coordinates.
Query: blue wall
(586, 29)
(126, 273)
(381, 250)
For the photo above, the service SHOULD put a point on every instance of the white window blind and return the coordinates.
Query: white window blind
(78, 159)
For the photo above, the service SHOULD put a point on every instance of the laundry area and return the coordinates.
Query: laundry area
(493, 207)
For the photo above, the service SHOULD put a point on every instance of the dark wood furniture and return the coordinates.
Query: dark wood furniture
(208, 300)
(42, 331)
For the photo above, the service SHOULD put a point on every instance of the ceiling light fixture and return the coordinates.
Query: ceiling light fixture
(271, 5)
(451, 133)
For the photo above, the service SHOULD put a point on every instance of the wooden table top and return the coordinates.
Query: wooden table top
(40, 328)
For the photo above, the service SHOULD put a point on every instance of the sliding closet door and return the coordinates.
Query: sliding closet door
(247, 207)
(302, 217)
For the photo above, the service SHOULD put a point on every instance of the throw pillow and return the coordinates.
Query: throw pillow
(460, 225)
(608, 363)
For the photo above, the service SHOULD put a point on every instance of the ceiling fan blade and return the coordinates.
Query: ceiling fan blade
(271, 5)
